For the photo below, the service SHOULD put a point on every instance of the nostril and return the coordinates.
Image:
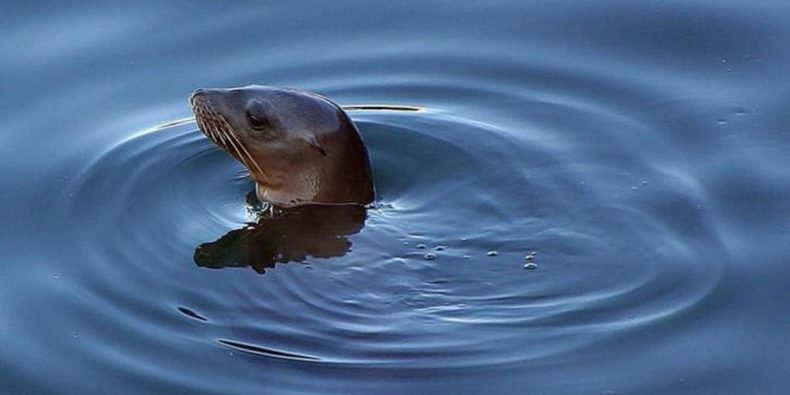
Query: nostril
(196, 93)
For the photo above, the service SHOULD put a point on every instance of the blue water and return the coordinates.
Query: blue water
(641, 149)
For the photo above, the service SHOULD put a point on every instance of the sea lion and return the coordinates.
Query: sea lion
(299, 147)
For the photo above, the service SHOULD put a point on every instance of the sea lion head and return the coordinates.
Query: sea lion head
(299, 147)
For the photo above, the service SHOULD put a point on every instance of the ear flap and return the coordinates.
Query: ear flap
(313, 143)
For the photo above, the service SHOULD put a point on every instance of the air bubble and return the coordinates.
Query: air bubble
(531, 255)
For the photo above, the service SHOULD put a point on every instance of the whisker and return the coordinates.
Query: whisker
(223, 132)
(231, 134)
(223, 138)
(241, 157)
(214, 131)
(207, 128)
(218, 129)
(201, 125)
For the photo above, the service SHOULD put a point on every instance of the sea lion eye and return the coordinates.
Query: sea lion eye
(256, 116)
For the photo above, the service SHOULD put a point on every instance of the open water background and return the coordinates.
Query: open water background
(641, 148)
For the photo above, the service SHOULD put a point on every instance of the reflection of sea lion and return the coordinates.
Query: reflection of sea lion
(293, 235)
(300, 147)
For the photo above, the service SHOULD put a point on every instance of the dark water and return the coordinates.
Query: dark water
(642, 149)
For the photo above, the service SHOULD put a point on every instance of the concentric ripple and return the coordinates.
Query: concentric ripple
(452, 189)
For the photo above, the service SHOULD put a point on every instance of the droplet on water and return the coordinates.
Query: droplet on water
(422, 246)
(429, 256)
(530, 266)
(492, 253)
(439, 248)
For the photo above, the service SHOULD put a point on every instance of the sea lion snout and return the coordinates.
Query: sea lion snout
(204, 93)
(195, 94)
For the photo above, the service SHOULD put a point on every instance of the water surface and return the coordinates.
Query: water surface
(640, 150)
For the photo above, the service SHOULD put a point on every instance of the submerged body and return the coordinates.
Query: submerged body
(299, 147)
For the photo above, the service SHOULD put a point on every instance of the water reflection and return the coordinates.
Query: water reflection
(285, 236)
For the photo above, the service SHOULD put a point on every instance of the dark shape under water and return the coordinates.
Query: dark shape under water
(191, 313)
(292, 235)
(258, 350)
